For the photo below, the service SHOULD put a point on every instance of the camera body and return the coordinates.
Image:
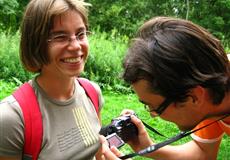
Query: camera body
(120, 129)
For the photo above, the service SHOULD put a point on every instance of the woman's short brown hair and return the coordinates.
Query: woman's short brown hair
(36, 25)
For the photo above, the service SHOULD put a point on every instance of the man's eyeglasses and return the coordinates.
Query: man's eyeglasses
(66, 39)
(161, 107)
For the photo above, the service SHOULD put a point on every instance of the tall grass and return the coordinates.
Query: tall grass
(106, 54)
(6, 88)
(10, 65)
(103, 66)
(116, 102)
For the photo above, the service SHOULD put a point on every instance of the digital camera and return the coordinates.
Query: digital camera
(119, 131)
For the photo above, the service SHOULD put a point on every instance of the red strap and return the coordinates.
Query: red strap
(33, 129)
(90, 92)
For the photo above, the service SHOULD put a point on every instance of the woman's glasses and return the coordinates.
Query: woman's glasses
(66, 39)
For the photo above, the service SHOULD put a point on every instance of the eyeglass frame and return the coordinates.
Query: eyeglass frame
(66, 39)
(161, 108)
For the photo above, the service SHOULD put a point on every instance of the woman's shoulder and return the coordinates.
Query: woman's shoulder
(11, 125)
(10, 109)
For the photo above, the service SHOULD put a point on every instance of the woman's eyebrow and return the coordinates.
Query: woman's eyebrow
(80, 29)
(57, 32)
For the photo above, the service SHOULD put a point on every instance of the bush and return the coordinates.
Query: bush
(105, 61)
(103, 66)
(10, 65)
(6, 88)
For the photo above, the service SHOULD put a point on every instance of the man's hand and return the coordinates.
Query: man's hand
(142, 140)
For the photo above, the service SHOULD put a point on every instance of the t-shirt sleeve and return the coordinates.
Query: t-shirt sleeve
(208, 134)
(11, 128)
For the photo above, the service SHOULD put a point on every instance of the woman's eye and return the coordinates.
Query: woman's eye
(60, 38)
(81, 35)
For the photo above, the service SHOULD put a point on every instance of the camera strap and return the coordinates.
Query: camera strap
(157, 146)
(152, 129)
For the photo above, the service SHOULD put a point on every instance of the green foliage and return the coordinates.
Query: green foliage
(104, 63)
(9, 14)
(103, 66)
(10, 65)
(116, 102)
(127, 16)
(111, 20)
(6, 88)
(213, 15)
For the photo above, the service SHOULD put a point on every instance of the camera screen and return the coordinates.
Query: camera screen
(115, 140)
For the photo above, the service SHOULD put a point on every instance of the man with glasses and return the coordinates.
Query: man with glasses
(181, 73)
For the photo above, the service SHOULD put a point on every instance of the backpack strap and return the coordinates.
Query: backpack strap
(33, 129)
(90, 92)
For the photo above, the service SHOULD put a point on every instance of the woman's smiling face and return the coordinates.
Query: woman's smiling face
(67, 58)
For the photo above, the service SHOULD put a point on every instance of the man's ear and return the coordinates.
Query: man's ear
(198, 95)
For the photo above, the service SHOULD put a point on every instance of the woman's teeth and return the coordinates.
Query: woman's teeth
(72, 60)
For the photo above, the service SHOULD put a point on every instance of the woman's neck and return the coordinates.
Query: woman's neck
(56, 87)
